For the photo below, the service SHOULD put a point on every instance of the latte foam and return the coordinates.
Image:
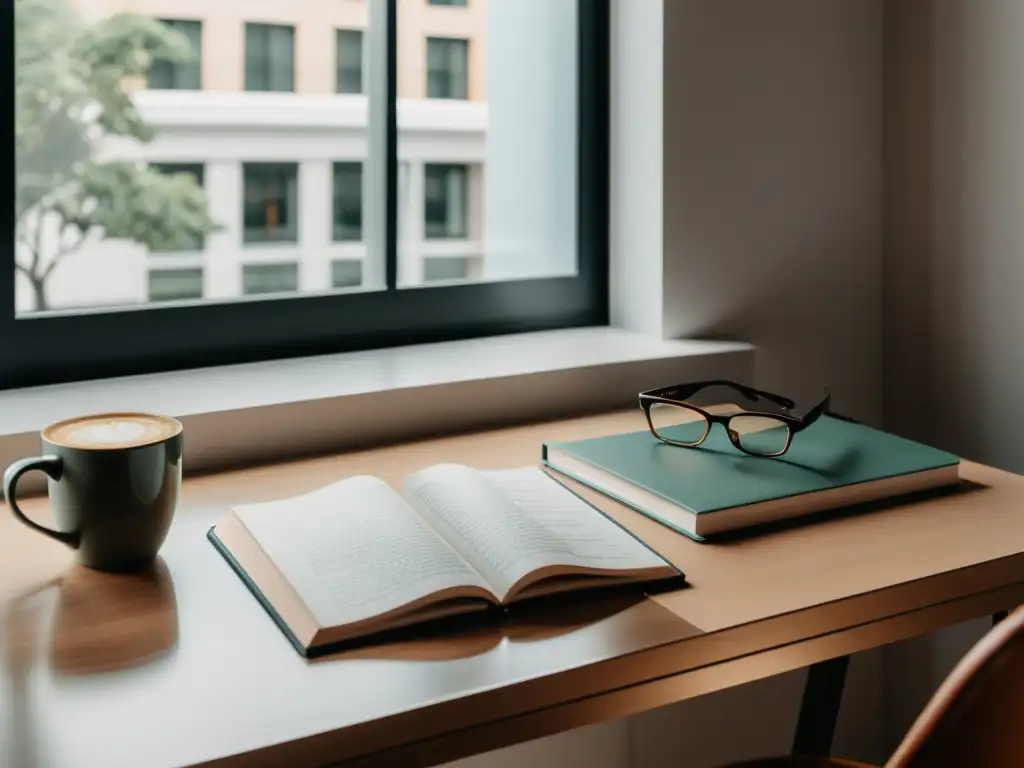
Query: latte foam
(108, 431)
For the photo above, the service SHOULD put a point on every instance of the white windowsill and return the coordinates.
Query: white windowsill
(241, 414)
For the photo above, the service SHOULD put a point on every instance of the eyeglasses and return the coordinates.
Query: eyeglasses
(757, 433)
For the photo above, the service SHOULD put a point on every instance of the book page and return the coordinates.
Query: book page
(509, 523)
(355, 549)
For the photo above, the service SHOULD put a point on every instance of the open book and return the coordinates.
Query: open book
(357, 558)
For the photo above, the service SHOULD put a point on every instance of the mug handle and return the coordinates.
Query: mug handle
(53, 466)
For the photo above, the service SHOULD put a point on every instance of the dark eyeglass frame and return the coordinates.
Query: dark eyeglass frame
(678, 395)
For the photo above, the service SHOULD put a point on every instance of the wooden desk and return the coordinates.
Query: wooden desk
(183, 667)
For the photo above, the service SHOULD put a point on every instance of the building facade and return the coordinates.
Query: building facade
(270, 116)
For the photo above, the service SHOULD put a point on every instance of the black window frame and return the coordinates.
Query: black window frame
(59, 346)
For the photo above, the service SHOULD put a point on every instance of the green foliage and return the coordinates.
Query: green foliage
(72, 82)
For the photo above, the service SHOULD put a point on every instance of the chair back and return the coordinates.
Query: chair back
(976, 718)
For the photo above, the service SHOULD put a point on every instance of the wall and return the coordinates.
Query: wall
(747, 203)
(953, 267)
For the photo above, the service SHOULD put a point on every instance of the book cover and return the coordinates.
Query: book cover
(715, 476)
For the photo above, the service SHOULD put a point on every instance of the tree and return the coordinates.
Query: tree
(72, 85)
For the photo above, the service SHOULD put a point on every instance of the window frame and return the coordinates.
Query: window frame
(58, 346)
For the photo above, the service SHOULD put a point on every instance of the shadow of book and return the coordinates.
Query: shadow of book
(527, 622)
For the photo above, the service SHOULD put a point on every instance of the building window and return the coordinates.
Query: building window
(346, 273)
(196, 172)
(349, 47)
(269, 57)
(348, 201)
(438, 268)
(445, 203)
(175, 284)
(447, 68)
(270, 204)
(448, 2)
(183, 75)
(269, 278)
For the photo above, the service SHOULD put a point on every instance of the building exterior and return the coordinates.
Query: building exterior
(271, 117)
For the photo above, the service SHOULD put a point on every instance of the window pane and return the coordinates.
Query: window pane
(186, 240)
(348, 201)
(185, 74)
(488, 142)
(350, 61)
(346, 273)
(175, 284)
(270, 197)
(437, 268)
(269, 57)
(447, 68)
(270, 278)
(446, 213)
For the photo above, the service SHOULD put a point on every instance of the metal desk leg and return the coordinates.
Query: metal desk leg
(819, 709)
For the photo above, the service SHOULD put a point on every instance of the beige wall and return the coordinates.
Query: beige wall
(315, 22)
(954, 261)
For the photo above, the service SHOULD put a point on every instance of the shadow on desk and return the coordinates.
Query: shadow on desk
(528, 623)
(102, 622)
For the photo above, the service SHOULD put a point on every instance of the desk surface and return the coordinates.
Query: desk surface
(183, 667)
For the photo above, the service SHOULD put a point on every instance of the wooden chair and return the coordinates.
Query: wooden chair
(974, 720)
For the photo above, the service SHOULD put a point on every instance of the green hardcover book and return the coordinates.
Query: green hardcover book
(715, 488)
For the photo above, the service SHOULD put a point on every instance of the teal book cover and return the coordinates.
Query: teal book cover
(715, 476)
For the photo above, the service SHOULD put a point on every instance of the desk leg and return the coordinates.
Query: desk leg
(819, 709)
(999, 616)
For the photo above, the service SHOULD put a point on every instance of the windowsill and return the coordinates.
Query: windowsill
(256, 412)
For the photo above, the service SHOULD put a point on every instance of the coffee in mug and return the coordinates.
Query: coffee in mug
(113, 481)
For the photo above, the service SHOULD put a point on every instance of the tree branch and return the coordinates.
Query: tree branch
(62, 253)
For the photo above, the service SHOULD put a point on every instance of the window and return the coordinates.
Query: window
(447, 68)
(175, 284)
(269, 278)
(437, 268)
(183, 75)
(498, 222)
(269, 57)
(192, 241)
(445, 201)
(349, 45)
(348, 201)
(346, 273)
(270, 207)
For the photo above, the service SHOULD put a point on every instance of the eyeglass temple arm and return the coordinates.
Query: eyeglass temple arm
(683, 391)
(815, 413)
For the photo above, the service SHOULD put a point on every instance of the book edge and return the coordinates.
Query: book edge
(954, 461)
(635, 507)
(239, 569)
